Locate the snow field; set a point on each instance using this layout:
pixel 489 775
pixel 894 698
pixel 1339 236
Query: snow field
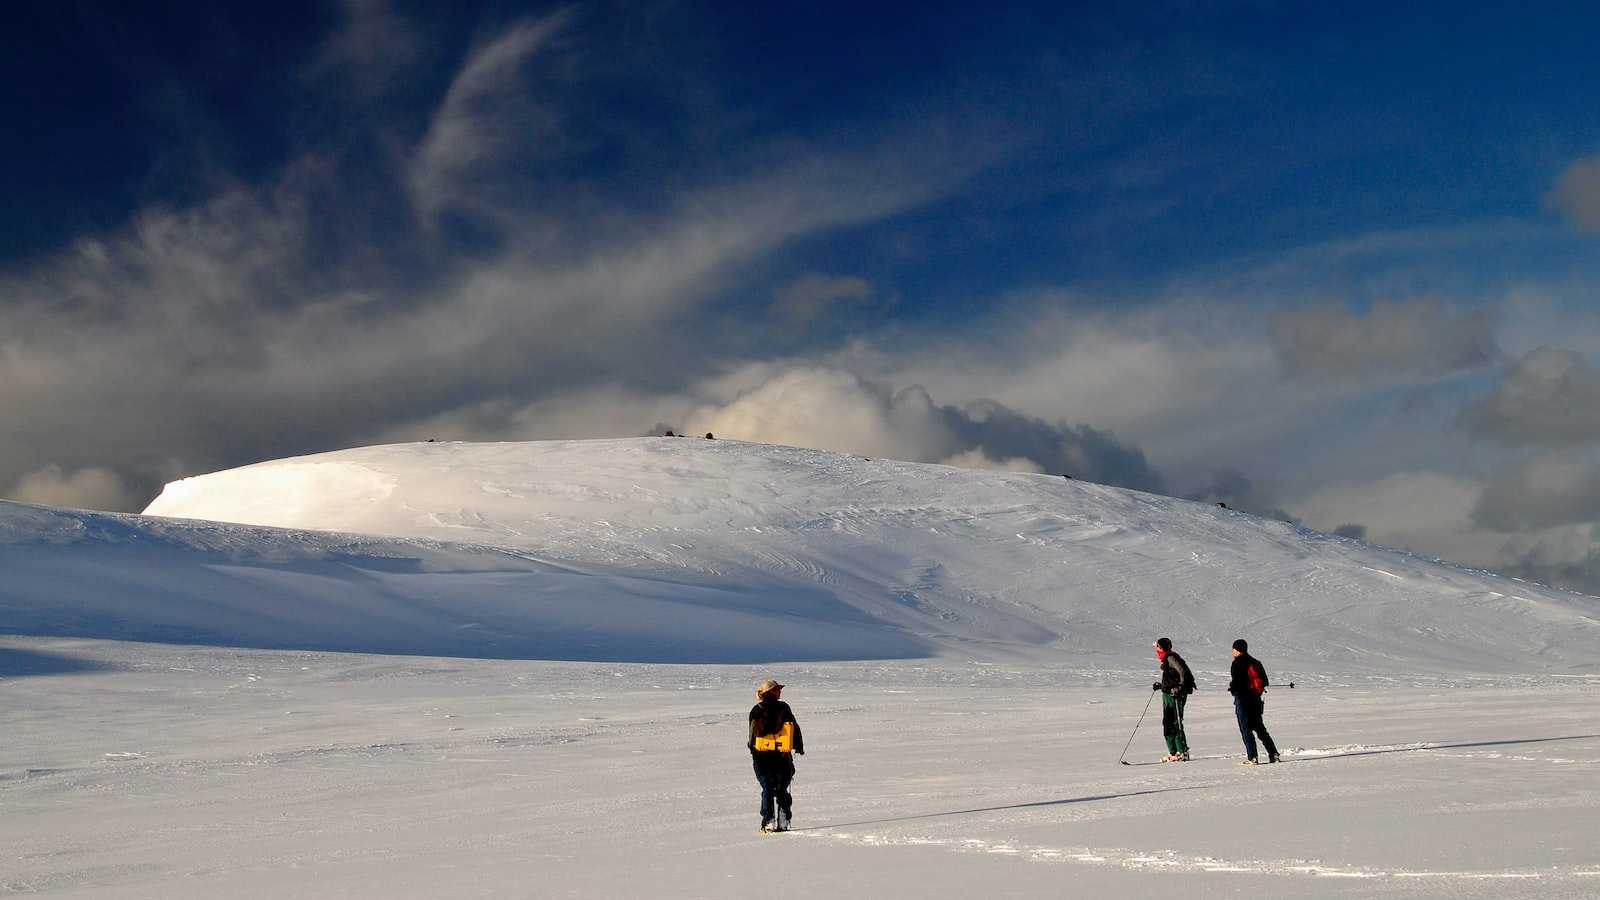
pixel 523 670
pixel 156 770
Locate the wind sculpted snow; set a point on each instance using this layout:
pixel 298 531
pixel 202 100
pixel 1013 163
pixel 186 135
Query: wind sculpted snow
pixel 141 578
pixel 687 549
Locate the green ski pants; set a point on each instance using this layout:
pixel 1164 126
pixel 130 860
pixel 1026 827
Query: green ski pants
pixel 1172 723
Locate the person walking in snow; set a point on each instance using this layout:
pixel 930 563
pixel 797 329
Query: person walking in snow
pixel 774 739
pixel 1247 682
pixel 1176 684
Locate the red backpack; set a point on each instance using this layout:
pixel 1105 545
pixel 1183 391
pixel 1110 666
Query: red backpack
pixel 1258 678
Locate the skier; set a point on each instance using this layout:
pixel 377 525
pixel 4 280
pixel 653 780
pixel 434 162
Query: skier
pixel 1247 683
pixel 774 739
pixel 1176 684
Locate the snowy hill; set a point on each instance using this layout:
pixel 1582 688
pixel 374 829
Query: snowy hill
pixel 687 549
pixel 1441 742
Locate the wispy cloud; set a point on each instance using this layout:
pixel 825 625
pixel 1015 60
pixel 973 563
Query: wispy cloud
pixel 812 295
pixel 489 113
pixel 371 50
pixel 285 318
pixel 1424 511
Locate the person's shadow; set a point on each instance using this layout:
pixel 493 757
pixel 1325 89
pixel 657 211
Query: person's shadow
pixel 983 809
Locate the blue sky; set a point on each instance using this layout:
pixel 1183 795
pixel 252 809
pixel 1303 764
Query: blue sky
pixel 1131 143
pixel 1331 263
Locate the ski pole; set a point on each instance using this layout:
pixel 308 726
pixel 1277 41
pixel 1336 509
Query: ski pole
pixel 1124 757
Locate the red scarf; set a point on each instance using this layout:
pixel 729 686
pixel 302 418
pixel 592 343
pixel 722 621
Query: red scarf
pixel 1161 654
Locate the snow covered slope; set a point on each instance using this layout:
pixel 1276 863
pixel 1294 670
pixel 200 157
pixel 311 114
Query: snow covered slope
pixel 99 575
pixel 687 549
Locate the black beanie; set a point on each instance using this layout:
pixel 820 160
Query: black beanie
pixel 1241 646
pixel 1164 643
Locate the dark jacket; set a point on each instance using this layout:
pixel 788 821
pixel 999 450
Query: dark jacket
pixel 767 717
pixel 1239 680
pixel 1176 679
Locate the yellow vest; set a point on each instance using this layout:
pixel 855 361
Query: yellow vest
pixel 783 741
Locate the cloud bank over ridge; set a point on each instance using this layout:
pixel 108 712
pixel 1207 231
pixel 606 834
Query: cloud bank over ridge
pixel 834 409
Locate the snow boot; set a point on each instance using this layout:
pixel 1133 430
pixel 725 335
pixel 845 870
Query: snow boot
pixel 783 820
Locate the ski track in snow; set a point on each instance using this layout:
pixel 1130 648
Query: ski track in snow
pixel 1125 858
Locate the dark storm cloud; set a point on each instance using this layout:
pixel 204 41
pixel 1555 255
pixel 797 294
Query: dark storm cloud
pixel 1540 492
pixel 1542 564
pixel 1397 338
pixel 1232 487
pixel 1550 398
pixel 1059 448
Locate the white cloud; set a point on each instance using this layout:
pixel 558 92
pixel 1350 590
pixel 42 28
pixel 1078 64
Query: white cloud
pixel 1550 398
pixel 977 459
pixel 1576 194
pixel 1535 519
pixel 1541 492
pixel 831 409
pixel 92 488
pixel 599 410
pixel 1404 337
pixel 1166 376
pixel 1425 512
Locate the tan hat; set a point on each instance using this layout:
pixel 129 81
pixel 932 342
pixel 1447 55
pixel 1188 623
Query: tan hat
pixel 768 687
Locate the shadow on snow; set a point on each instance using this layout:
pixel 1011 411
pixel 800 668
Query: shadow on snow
pixel 449 603
pixel 983 809
pixel 1450 746
pixel 15 663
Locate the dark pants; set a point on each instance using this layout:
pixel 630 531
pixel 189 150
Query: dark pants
pixel 1172 723
pixel 1247 709
pixel 774 771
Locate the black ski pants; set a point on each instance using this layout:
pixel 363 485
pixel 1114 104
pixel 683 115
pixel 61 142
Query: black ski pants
pixel 1247 709
pixel 774 771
